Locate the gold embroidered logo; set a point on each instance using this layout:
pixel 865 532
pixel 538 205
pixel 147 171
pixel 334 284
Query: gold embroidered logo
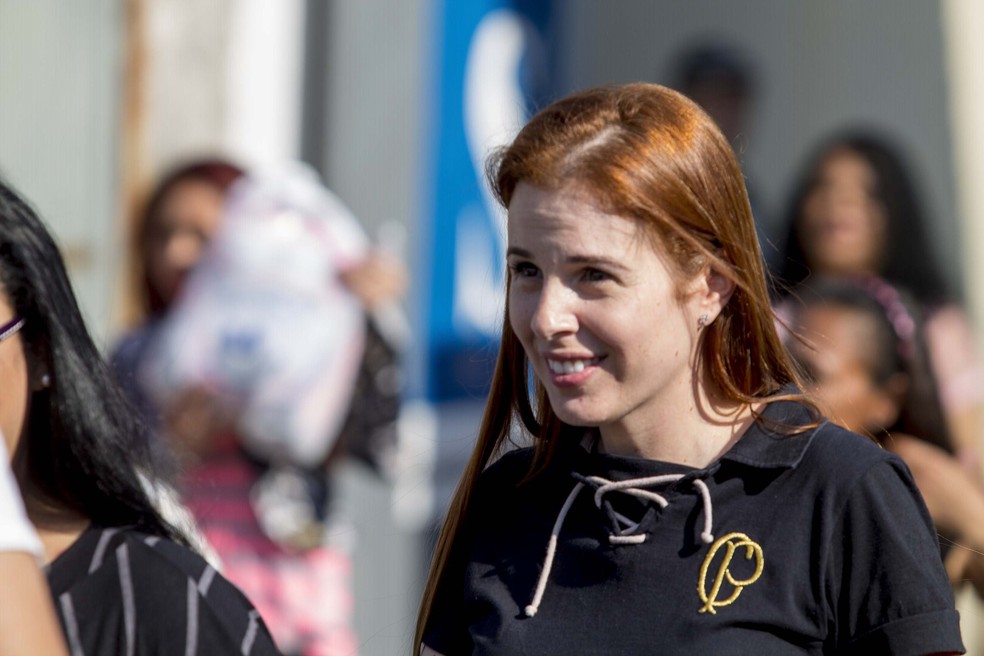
pixel 731 542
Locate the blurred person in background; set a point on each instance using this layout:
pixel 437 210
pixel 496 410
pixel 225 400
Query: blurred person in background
pixel 720 78
pixel 862 350
pixel 27 620
pixel 682 495
pixel 855 210
pixel 299 581
pixel 122 577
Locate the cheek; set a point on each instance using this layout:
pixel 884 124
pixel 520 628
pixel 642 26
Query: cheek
pixel 158 267
pixel 877 225
pixel 521 307
pixel 812 207
pixel 13 401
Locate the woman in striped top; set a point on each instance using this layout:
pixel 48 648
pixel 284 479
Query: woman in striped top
pixel 123 579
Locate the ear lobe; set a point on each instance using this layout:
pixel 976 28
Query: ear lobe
pixel 40 380
pixel 39 375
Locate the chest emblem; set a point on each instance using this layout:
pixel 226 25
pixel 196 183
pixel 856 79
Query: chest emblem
pixel 724 582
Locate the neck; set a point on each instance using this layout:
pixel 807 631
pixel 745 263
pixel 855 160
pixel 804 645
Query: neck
pixel 694 428
pixel 57 528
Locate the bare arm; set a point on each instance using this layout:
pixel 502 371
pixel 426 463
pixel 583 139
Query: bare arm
pixel 27 621
pixel 378 279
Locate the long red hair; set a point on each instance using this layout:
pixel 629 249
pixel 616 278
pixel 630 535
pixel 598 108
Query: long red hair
pixel 646 152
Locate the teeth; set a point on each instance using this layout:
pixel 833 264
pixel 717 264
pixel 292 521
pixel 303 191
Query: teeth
pixel 570 366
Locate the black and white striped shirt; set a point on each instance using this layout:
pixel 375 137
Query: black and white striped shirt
pixel 119 592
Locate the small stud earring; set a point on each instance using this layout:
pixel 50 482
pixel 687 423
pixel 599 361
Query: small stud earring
pixel 45 381
pixel 702 320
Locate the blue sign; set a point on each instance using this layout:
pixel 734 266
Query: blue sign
pixel 491 67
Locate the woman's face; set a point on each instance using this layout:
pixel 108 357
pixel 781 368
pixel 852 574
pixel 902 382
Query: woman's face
pixel 843 226
pixel 837 371
pixel 15 388
pixel 597 311
pixel 186 220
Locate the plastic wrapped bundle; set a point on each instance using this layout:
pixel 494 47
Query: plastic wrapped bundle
pixel 264 323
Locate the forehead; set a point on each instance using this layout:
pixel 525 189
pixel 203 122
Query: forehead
pixel 846 164
pixel 567 213
pixel 187 196
pixel 832 328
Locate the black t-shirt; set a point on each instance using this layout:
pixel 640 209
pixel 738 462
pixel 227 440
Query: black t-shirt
pixel 119 592
pixel 817 543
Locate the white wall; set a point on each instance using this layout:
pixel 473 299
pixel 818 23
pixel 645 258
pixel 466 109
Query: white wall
pixel 223 78
pixel 59 85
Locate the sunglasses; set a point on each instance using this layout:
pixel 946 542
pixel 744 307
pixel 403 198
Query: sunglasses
pixel 8 329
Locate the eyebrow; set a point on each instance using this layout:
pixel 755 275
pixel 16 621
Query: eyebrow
pixel 573 259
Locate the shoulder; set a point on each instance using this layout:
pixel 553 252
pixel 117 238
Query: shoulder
pixel 501 481
pixel 131 348
pixel 843 468
pixel 842 453
pixel 512 465
pixel 114 558
pixel 167 596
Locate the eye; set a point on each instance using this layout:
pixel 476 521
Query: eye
pixel 595 275
pixel 523 270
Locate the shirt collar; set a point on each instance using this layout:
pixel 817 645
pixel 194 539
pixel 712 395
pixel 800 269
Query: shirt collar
pixel 769 443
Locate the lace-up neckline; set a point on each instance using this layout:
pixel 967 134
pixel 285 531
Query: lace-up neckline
pixel 625 530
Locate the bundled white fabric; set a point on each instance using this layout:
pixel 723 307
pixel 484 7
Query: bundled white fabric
pixel 16 532
pixel 264 321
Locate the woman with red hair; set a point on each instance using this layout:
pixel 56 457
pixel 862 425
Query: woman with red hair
pixel 681 495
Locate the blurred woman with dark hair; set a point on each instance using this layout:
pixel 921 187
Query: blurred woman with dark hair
pixel 122 576
pixel 178 219
pixel 864 355
pixel 855 210
pixel 268 521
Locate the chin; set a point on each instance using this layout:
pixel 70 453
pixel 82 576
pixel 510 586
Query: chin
pixel 582 417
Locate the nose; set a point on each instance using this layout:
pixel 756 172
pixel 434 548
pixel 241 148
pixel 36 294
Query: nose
pixel 183 250
pixel 555 311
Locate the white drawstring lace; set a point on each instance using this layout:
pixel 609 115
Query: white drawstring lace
pixel 625 527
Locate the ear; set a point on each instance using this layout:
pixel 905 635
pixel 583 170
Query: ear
pixel 711 292
pixel 38 374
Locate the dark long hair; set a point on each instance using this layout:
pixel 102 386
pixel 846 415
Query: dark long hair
pixel 908 260
pixel 82 444
pixel 218 173
pixel 646 152
pixel 899 347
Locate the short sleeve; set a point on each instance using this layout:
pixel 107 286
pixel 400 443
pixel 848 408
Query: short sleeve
pixel 887 590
